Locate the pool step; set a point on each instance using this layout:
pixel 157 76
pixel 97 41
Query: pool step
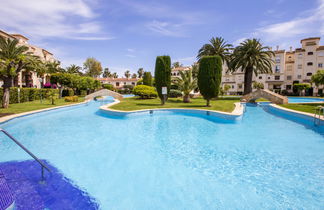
pixel 6 196
pixel 56 193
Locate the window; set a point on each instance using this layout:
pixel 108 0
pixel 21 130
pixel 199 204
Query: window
pixel 233 86
pixel 309 63
pixel 310 53
pixel 269 77
pixel 260 77
pixel 276 86
pixel 300 55
pixel 277 59
pixel 300 66
pixel 320 65
pixel 309 74
pixel 288 77
pixel 117 84
pixel 133 83
pixel 288 87
pixel 277 77
pixel 240 86
pixel 298 76
pixel 277 69
pixel 289 68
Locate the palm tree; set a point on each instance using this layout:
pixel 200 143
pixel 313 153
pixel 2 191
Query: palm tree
pixel 250 56
pixel 115 75
pixel 140 72
pixel 53 67
pixel 217 46
pixel 134 76
pixel 13 59
pixel 74 69
pixel 186 83
pixel 176 64
pixel 127 74
pixel 106 73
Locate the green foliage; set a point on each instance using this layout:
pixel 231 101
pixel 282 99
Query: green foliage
pixel 106 73
pixel 318 78
pixel 74 69
pixel 140 72
pixel 209 76
pixel 52 95
pixel 302 86
pixel 27 94
pixel 144 91
pixel 186 83
pixel 93 67
pixel 162 74
pixel 75 81
pixel 175 93
pixel 108 87
pixel 258 85
pixel 71 98
pixel 147 79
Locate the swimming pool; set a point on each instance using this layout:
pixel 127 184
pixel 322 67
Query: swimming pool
pixel 178 161
pixel 304 99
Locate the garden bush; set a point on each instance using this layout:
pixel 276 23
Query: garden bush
pixel 26 94
pixel 145 91
pixel 175 93
pixel 71 98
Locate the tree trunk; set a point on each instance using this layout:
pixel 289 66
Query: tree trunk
pixel 208 103
pixel 7 83
pixel 186 98
pixel 248 80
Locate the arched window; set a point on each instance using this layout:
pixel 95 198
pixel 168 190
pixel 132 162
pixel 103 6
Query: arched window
pixel 310 53
pixel 309 64
pixel 309 74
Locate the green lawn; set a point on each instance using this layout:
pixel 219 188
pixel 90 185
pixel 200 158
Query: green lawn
pixel 310 108
pixel 34 105
pixel 134 103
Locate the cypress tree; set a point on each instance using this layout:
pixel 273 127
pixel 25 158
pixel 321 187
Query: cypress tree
pixel 209 77
pixel 147 79
pixel 162 75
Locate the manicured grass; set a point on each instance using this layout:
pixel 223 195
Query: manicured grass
pixel 134 103
pixel 310 108
pixel 34 105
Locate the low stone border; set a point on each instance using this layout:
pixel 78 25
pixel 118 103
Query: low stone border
pixel 13 116
pixel 236 113
pixel 304 115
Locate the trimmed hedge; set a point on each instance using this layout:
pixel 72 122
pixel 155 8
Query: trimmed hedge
pixel 162 74
pixel 144 91
pixel 175 93
pixel 26 94
pixel 71 98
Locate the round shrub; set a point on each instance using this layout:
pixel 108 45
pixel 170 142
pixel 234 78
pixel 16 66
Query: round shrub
pixel 71 98
pixel 144 91
pixel 175 93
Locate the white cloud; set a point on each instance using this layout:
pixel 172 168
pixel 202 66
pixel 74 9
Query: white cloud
pixel 165 28
pixel 72 19
pixel 288 33
pixel 130 55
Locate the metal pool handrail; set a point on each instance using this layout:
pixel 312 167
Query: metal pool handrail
pixel 319 111
pixel 27 151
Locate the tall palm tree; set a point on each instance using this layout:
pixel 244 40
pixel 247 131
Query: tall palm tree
pixel 74 69
pixel 140 72
pixel 127 74
pixel 186 83
pixel 53 67
pixel 115 75
pixel 106 73
pixel 216 46
pixel 13 59
pixel 251 57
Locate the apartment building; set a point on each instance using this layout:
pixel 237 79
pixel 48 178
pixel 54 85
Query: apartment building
pixel 119 82
pixel 25 78
pixel 290 67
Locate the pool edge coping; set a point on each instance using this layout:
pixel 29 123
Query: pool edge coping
pixel 295 111
pixel 13 116
pixel 237 112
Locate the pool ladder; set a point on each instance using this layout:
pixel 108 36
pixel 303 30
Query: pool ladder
pixel 41 163
pixel 318 115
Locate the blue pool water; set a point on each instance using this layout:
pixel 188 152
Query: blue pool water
pixel 304 100
pixel 178 161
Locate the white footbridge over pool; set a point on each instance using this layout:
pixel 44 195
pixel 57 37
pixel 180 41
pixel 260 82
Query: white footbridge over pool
pixel 104 92
pixel 266 94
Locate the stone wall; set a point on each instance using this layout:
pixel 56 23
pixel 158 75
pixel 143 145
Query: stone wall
pixel 104 92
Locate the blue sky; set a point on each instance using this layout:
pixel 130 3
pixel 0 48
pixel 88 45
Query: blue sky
pixel 129 34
